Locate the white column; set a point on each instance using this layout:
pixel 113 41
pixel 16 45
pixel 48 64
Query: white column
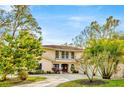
pixel 60 68
pixel 60 54
pixel 69 55
pixel 69 68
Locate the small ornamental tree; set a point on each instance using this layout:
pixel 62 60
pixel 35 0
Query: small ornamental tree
pixel 101 48
pixel 88 64
pixel 6 57
pixel 107 56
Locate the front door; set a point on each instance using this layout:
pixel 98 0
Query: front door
pixel 64 68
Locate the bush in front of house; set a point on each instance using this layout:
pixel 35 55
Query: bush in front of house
pixel 50 72
pixel 40 72
pixel 37 72
pixel 23 75
pixel 75 71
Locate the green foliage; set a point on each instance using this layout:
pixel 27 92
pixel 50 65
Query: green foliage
pixel 28 50
pixel 72 67
pixel 17 19
pixel 97 31
pixel 20 40
pixel 102 48
pixel 106 55
pixel 37 72
pixel 23 75
pixel 6 58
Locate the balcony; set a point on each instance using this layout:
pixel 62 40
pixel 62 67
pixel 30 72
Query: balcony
pixel 65 59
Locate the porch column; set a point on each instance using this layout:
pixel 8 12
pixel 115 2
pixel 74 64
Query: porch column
pixel 69 68
pixel 60 68
pixel 69 56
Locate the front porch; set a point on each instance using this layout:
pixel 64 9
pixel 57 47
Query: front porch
pixel 62 68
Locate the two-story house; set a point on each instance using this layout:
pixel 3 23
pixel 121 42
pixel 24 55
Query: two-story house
pixel 60 57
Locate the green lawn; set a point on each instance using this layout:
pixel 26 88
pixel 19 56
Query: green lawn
pixel 16 81
pixel 95 83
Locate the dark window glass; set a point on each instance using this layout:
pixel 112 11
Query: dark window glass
pixel 63 54
pixel 72 55
pixel 57 54
pixel 56 66
pixel 67 54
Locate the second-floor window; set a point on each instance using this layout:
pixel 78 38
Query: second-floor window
pixel 67 55
pixel 63 54
pixel 57 54
pixel 72 55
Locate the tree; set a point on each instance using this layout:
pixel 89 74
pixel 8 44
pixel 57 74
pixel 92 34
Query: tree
pixel 15 47
pixel 107 56
pixel 28 51
pixel 88 65
pixel 97 31
pixel 19 18
pixel 90 39
pixel 6 62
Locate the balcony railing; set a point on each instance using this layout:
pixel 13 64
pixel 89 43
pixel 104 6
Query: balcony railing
pixel 64 58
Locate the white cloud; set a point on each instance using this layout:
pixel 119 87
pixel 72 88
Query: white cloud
pixel 81 18
pixel 75 18
pixel 79 21
pixel 5 7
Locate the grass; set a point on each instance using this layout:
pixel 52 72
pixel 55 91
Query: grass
pixel 95 83
pixel 16 81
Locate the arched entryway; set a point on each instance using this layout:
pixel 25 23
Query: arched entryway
pixel 64 68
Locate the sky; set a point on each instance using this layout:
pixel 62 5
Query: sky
pixel 62 23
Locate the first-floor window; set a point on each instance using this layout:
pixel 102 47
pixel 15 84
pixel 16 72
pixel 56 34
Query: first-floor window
pixel 56 65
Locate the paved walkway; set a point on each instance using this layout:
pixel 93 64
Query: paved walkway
pixel 54 80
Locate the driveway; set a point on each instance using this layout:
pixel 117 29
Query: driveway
pixel 54 80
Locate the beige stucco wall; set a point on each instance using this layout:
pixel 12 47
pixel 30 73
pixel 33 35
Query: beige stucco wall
pixel 48 59
pixel 78 54
pixel 46 65
pixel 120 72
pixel 49 53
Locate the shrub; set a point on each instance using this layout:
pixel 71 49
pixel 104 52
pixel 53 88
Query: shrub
pixel 37 72
pixel 72 68
pixel 23 75
pixel 75 71
pixel 48 72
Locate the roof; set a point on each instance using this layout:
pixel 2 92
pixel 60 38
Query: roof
pixel 63 47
